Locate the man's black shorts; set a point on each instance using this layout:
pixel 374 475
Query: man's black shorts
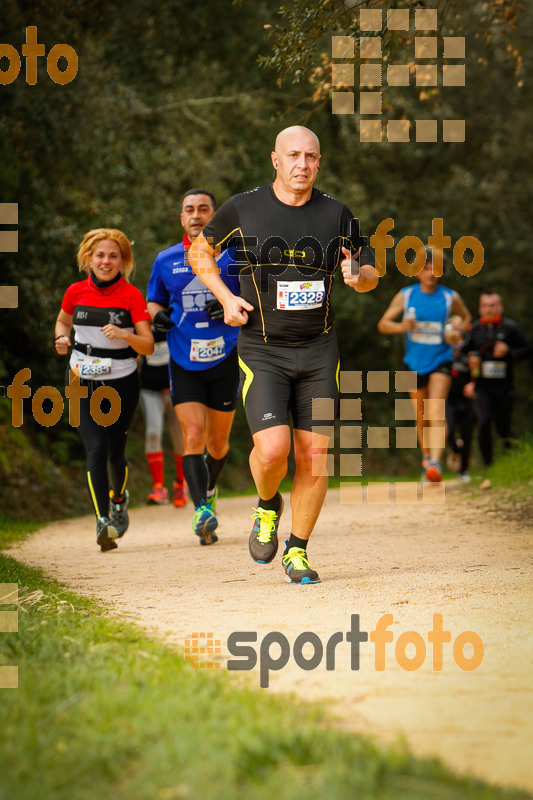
pixel 216 387
pixel 280 378
pixel 423 380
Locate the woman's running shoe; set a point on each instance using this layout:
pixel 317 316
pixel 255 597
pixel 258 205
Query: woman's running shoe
pixel 106 534
pixel 119 514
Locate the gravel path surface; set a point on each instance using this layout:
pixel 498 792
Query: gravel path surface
pixel 459 559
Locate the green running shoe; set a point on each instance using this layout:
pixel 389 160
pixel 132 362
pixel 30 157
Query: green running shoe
pixel 211 501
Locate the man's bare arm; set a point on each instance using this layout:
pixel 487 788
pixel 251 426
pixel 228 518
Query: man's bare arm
pixel 202 261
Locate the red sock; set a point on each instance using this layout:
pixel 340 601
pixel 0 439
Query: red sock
pixel 155 462
pixel 180 477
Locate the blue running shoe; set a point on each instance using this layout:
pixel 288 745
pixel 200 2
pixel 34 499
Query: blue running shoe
pixel 204 523
pixel 297 567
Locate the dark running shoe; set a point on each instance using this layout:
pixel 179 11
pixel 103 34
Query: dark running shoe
pixel 263 541
pixel 297 567
pixel 119 514
pixel 106 534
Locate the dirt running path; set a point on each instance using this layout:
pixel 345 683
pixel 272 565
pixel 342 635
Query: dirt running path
pixel 456 559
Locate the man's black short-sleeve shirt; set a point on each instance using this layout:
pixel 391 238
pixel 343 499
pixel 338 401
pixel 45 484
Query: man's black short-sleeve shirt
pixel 287 257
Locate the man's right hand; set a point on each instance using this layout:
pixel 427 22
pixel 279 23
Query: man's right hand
pixel 236 311
pixel 407 324
pixel 162 322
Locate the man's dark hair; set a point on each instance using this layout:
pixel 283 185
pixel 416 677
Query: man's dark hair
pixel 200 191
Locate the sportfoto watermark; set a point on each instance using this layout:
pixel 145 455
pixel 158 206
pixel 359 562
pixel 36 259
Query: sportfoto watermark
pixel 424 68
pixel 307 253
pixel 31 51
pixel 18 390
pixel 275 649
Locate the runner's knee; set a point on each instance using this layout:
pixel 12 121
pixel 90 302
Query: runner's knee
pixel 271 450
pixel 193 438
pixel 217 445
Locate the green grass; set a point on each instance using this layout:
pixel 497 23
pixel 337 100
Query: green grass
pixel 514 469
pixel 102 710
pixel 12 531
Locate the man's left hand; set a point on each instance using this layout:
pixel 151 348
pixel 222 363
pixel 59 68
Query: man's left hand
pixel 361 279
pixel 350 268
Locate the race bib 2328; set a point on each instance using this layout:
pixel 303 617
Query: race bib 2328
pixel 299 295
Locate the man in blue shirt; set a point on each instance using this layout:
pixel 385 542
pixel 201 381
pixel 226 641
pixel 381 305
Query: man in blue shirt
pixel 204 371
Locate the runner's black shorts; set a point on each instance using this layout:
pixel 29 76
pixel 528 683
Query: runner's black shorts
pixel 278 378
pixel 423 380
pixel 216 387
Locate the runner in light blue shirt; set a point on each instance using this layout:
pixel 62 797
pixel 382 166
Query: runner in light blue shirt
pixel 426 308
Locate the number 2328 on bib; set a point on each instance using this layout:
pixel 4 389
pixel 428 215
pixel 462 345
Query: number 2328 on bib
pixel 299 295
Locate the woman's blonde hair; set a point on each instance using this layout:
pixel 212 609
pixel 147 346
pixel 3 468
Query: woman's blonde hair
pixel 90 242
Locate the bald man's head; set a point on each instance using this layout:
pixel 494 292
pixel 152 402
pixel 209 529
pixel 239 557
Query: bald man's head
pixel 296 159
pixel 295 132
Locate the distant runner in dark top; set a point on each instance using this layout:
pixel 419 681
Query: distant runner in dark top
pixel 493 344
pixel 290 239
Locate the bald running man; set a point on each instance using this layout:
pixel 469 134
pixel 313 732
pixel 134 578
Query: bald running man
pixel 290 240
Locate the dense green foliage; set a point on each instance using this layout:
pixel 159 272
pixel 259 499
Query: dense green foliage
pixel 170 95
